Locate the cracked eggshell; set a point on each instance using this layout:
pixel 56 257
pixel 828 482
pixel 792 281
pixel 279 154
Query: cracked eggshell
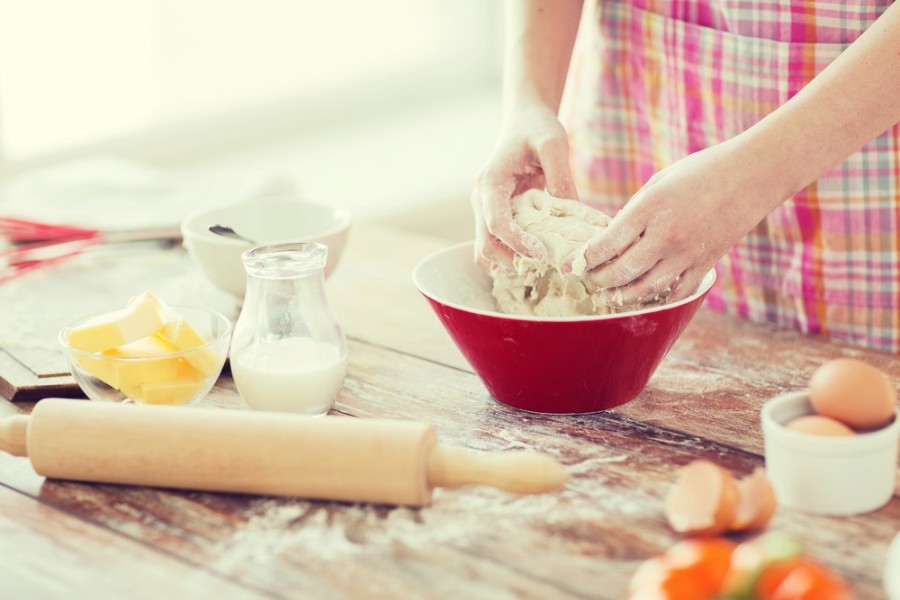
pixel 703 501
pixel 756 502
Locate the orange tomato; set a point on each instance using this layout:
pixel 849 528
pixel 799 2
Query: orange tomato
pixel 650 573
pixel 772 576
pixel 707 560
pixel 753 557
pixel 692 569
pixel 669 585
pixel 801 579
pixel 767 567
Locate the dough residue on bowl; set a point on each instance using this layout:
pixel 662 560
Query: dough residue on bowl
pixel 540 287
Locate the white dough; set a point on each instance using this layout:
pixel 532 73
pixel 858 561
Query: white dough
pixel 539 287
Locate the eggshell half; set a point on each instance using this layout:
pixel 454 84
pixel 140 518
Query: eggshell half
pixel 703 500
pixel 756 502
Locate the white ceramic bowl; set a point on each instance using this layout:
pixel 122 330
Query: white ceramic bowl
pixel 265 222
pixel 892 570
pixel 830 475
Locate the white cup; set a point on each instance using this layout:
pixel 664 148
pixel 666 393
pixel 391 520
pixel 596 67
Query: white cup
pixel 892 570
pixel 829 475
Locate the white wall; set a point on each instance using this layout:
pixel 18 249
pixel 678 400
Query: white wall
pixel 377 106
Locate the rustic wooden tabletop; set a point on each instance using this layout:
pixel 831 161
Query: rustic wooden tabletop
pixel 61 538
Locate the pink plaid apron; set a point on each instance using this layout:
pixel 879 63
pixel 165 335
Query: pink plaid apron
pixel 654 80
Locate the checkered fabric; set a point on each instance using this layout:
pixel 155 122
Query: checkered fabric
pixel 654 80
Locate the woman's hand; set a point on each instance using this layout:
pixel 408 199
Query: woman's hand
pixel 684 219
pixel 531 152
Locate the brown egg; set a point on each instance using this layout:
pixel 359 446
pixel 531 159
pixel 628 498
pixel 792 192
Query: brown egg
pixel 852 392
pixel 819 425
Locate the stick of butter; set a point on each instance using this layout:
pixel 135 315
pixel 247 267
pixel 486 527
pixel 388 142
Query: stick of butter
pixel 176 330
pixel 176 390
pixel 138 320
pixel 122 374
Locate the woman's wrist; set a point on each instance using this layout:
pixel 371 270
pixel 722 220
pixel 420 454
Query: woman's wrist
pixel 524 110
pixel 773 161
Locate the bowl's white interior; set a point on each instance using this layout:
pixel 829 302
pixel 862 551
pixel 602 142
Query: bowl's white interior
pixel 266 222
pixel 451 276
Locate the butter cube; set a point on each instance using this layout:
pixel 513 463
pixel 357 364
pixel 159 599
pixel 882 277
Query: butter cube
pixel 180 334
pixel 122 374
pixel 140 319
pixel 177 390
pixel 100 368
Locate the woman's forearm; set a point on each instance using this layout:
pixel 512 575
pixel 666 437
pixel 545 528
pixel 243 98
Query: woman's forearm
pixel 540 35
pixel 848 104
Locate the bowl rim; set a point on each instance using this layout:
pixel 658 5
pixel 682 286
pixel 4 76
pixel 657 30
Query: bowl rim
pixel 226 333
pixel 862 440
pixel 342 219
pixel 705 285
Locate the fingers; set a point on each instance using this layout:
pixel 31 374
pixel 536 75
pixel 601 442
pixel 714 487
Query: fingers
pixel 664 280
pixel 553 155
pixel 611 242
pixel 645 271
pixel 534 155
pixel 619 241
pixel 491 203
pixel 495 252
pixel 482 237
pixel 500 224
pixel 496 242
pixel 687 284
pixel 651 285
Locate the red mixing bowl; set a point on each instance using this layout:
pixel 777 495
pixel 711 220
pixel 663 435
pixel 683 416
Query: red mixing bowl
pixel 559 365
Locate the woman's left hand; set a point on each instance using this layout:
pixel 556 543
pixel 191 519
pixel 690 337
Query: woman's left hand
pixel 684 219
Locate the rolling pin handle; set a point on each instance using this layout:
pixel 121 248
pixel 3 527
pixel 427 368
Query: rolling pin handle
pixel 525 472
pixel 14 435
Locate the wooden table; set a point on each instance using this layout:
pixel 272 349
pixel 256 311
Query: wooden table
pixel 102 541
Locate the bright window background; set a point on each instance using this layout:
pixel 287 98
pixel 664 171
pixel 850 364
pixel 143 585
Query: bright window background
pixel 79 74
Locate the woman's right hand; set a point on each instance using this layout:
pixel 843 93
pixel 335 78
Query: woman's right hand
pixel 532 151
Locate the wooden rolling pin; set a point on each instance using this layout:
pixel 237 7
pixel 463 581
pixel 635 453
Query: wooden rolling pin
pixel 336 458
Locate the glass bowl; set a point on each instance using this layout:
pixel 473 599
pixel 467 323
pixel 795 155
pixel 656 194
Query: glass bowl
pixel 151 371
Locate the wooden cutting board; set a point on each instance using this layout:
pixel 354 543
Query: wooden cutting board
pixel 37 305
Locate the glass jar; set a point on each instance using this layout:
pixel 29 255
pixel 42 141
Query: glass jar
pixel 288 352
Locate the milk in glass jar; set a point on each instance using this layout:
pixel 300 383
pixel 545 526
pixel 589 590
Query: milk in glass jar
pixel 288 352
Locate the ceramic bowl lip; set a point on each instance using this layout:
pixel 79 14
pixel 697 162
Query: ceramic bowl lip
pixel 862 438
pixel 705 285
pixel 226 333
pixel 194 225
